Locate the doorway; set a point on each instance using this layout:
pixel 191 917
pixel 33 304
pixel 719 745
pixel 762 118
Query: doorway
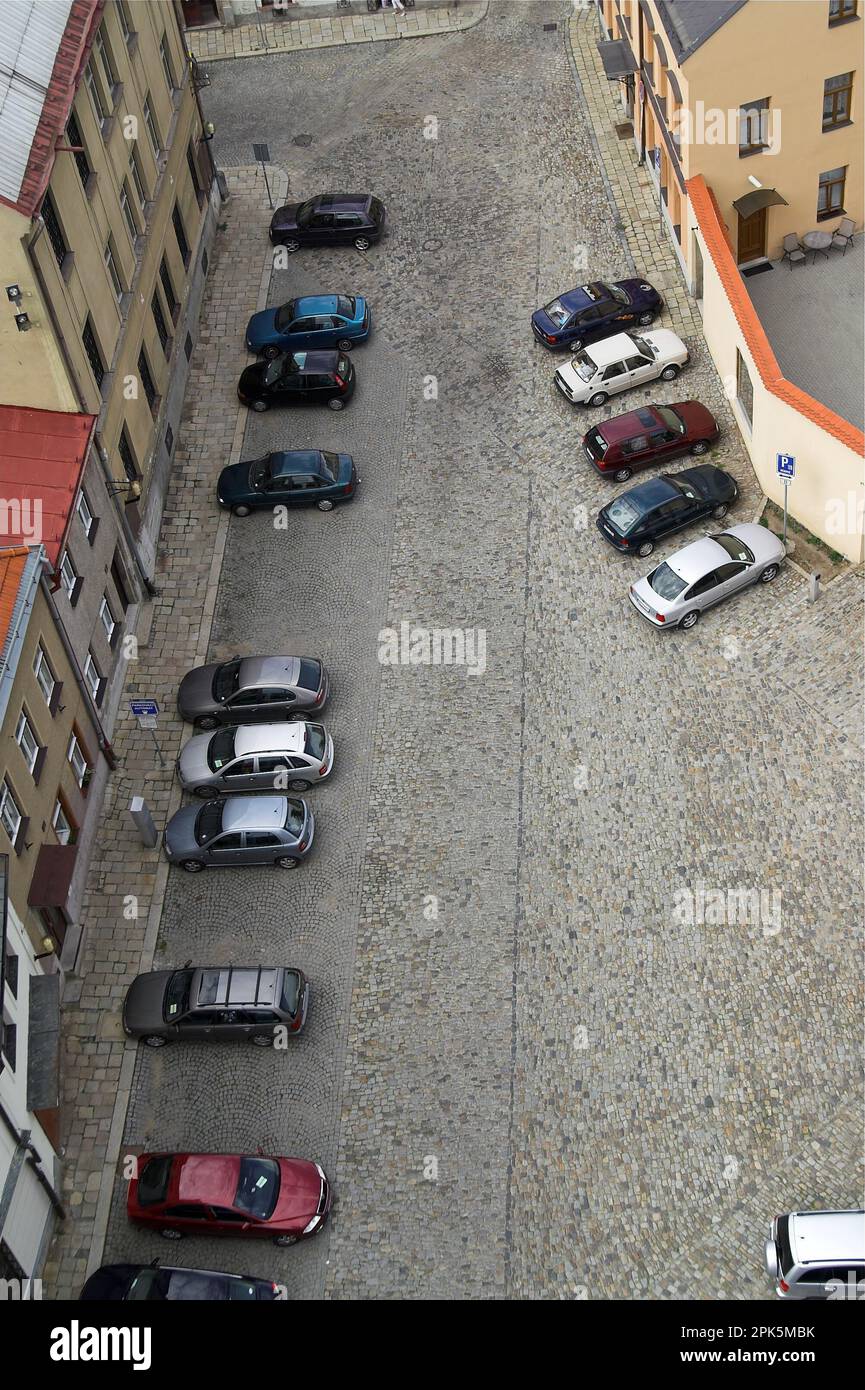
pixel 198 12
pixel 752 237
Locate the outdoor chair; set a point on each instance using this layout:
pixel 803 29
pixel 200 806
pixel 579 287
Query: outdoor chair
pixel 844 233
pixel 793 249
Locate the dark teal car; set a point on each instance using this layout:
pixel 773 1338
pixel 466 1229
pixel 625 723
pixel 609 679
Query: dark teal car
pixel 296 478
pixel 315 321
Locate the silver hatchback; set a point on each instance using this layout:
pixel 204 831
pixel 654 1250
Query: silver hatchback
pixel 705 573
pixel 818 1254
pixel 256 757
pixel 240 830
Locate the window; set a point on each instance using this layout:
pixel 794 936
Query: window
pixel 10 813
pixel 109 622
pixel 68 574
pixel 753 125
pixel 94 356
pixel 27 741
pixel 146 379
pixel 77 760
pixel 180 233
pixel 128 214
pixel 64 827
pixel 136 176
pixel 93 677
pixel 101 48
pixel 830 194
pixel 45 677
pixel 150 123
pixel 127 458
pixel 11 971
pixel 159 320
pixel 73 134
pixel 166 63
pixel 193 173
pixel 837 100
pixel 85 516
pixel 123 17
pixel 113 272
pixel 91 81
pixel 744 388
pixel 10 1041
pixel 168 287
pixel 839 10
pixel 54 230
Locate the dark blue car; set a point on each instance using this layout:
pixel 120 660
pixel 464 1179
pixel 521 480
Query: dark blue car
pixel 315 321
pixel 594 311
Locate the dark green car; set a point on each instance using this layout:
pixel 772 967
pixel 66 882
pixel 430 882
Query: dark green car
pixel 296 478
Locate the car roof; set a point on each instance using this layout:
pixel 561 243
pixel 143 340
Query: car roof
pixel 315 304
pixel 627 425
pixel 342 202
pixel 827 1235
pixel 254 812
pixel 608 350
pixel 210 1178
pixel 268 670
pixel 698 559
pixel 299 461
pixel 269 738
pixel 235 985
pixel 651 493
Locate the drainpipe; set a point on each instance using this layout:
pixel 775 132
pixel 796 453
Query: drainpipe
pixel 101 737
pixel 101 451
pixel 642 81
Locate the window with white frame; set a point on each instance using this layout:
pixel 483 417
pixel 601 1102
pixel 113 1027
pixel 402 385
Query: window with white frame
pixel 150 123
pixel 92 83
pixel 136 175
pixel 113 270
pixel 167 65
pixel 68 574
pixel 109 622
pixel 85 515
pixel 27 741
pixel 45 677
pixel 92 675
pixel 122 15
pixel 61 822
pixel 128 214
pixel 77 761
pixel 101 47
pixel 10 812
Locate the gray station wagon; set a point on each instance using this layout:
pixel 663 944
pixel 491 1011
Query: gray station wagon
pixel 256 757
pixel 252 690
pixel 218 1003
pixel 818 1255
pixel 240 830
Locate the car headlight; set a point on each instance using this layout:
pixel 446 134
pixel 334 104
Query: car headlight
pixel 311 1225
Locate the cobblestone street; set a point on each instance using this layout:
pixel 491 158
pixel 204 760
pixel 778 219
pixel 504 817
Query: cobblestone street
pixel 529 1072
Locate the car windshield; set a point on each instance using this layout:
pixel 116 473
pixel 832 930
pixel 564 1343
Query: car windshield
pixel 310 675
pixel 146 1285
pixel 294 816
pixel 643 346
pixel 623 514
pixel 329 465
pixel 345 306
pixel 315 742
pixel 176 1001
pixel 286 314
pixel 226 680
pixel 557 312
pixel 259 472
pixel 290 991
pixel 596 445
pixel 735 548
pixel 153 1180
pixel 666 582
pixel 274 370
pixel 221 749
pixel 671 418
pixel 618 294
pixel 684 489
pixel 209 822
pixel 376 209
pixel 257 1187
pixel 305 211
pixel 584 367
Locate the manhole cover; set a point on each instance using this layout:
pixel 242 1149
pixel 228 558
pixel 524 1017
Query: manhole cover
pixel 432 244
pixel 303 139
pixel 550 28
pixel 625 130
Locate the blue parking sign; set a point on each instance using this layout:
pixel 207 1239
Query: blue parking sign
pixel 786 465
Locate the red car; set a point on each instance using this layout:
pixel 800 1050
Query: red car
pixel 652 434
pixel 287 1199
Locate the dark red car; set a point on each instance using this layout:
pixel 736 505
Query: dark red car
pixel 652 434
pixel 287 1199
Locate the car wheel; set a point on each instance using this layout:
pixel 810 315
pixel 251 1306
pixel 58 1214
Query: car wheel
pixel 768 574
pixel 299 785
pixel 241 510
pixel 261 1039
pixel 260 406
pixel 623 475
pixel 599 398
pixel 345 344
pixel 645 549
pixel 271 352
pixel 206 722
pixel 154 1040
pixel 690 619
pixel 336 403
pixel 720 511
pixel 670 373
pixel 285 1240
pixel 576 344
pixel 192 866
pixel 287 863
pixel 701 446
pixel 646 318
pixel 170 1234
pixel 291 245
pixel 362 243
pixel 325 505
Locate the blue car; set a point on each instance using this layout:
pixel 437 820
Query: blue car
pixel 316 321
pixel 593 311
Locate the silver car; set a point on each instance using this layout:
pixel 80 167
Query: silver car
pixel 240 830
pixel 256 757
pixel 253 690
pixel 705 573
pixel 818 1254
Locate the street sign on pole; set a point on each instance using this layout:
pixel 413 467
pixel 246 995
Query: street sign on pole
pixel 145 712
pixel 786 465
pixel 261 155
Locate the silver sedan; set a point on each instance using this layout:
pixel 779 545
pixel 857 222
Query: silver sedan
pixel 256 758
pixel 705 573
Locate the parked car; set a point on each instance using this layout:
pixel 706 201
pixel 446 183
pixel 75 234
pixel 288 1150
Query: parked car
pixel 181 1194
pixel 314 321
pixel 621 446
pixel 219 1003
pixel 642 515
pixel 298 378
pixel 253 689
pixel 240 830
pixel 256 757
pixel 616 364
pixel 705 573
pixel 817 1254
pixel 331 219
pixel 595 311
pixel 163 1284
pixel 296 478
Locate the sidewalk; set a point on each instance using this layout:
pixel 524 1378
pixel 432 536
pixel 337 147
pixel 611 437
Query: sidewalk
pixel 357 25
pixel 126 883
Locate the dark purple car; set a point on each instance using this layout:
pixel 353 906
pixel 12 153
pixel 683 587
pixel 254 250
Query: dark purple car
pixel 595 310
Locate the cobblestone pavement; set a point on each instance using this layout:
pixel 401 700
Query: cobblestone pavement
pixel 548 1081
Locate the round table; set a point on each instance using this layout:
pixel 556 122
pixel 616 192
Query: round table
pixel 817 241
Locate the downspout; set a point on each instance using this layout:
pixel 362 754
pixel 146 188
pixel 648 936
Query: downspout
pixel 642 79
pixel 101 451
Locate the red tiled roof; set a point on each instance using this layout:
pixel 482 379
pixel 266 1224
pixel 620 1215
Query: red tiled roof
pixel 12 564
pixel 42 455
pixel 718 244
pixel 72 54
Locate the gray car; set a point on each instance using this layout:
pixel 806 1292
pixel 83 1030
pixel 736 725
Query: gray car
pixel 253 690
pixel 240 830
pixel 218 1003
pixel 705 573
pixel 256 757
pixel 818 1255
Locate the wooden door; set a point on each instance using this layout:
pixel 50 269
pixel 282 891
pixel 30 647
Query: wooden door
pixel 752 236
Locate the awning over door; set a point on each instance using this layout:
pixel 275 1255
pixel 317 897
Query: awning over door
pixel 616 58
pixel 760 198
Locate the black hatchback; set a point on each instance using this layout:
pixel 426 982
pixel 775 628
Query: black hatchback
pixel 638 518
pixel 331 219
pixel 298 378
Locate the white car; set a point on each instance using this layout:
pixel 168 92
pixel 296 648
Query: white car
pixel 705 573
pixel 615 364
